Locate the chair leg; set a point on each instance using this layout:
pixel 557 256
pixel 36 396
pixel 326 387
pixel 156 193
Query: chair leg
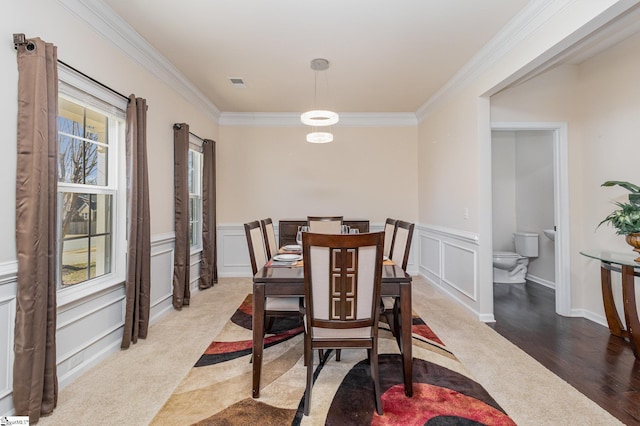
pixel 269 324
pixel 397 323
pixel 264 331
pixel 373 364
pixel 309 360
pixel 338 354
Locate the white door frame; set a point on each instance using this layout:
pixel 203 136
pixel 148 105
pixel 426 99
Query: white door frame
pixel 561 204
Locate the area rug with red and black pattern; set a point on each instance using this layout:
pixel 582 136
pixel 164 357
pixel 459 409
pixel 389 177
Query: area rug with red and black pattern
pixel 217 390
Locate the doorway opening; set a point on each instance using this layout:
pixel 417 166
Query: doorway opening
pixel 561 258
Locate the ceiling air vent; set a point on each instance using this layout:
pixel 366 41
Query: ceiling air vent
pixel 237 82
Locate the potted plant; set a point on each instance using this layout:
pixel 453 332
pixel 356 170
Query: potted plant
pixel 626 219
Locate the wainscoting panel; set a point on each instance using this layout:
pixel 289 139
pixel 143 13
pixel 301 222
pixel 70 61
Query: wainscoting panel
pixel 449 261
pixel 8 273
pixel 459 266
pixel 87 331
pixel 233 254
pixel 162 257
pixel 430 254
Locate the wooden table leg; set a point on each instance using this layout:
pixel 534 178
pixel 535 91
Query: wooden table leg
pixel 258 335
pixel 406 317
pixel 613 319
pixel 630 308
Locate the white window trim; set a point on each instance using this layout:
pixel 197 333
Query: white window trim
pixel 80 88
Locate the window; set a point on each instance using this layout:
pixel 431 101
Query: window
pixel 195 196
pixel 91 188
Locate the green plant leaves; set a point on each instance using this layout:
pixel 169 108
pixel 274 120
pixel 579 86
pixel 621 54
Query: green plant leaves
pixel 625 220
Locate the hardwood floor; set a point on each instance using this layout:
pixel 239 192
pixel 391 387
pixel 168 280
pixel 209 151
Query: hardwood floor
pixel 581 352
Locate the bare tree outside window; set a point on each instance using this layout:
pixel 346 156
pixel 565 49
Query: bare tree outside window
pixel 85 207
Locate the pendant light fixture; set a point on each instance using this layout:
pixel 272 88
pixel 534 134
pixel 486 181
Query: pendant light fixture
pixel 319 118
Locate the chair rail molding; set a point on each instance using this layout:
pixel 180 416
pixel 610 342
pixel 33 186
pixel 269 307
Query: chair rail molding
pixel 8 272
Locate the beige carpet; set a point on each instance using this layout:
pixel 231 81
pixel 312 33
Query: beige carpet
pixel 109 394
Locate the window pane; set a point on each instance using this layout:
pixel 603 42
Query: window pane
pixel 96 126
pixel 190 173
pixel 100 214
pixel 75 261
pixel 100 256
pixel 81 161
pixel 70 118
pixel 95 164
pixel 86 235
pixel 193 212
pixel 74 209
pixel 70 160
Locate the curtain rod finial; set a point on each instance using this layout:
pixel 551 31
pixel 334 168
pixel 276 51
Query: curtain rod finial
pixel 19 39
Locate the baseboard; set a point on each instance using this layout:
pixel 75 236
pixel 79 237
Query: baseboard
pixel 591 316
pixel 541 281
pixel 487 318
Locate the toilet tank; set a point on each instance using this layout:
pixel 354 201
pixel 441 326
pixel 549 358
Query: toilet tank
pixel 526 243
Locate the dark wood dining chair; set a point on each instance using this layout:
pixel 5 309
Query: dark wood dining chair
pixel 275 306
pixel 324 224
pixel 389 233
pixel 269 234
pixel 402 243
pixel 400 249
pixel 342 284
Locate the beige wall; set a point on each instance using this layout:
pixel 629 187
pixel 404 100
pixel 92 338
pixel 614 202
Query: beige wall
pixel 503 189
pixel 454 136
pixel 600 100
pixel 80 47
pixel 448 167
pixel 534 197
pixel 368 173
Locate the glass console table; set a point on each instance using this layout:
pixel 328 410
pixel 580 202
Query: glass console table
pixel 629 268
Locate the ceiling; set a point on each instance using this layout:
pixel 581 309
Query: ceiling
pixel 386 56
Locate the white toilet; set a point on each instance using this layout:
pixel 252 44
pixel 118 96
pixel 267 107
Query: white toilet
pixel 510 267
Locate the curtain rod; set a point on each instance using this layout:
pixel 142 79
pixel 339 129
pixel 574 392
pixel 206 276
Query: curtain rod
pixel 20 39
pixel 94 80
pixel 179 126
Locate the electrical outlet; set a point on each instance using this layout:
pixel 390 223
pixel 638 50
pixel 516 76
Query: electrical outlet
pixel 465 213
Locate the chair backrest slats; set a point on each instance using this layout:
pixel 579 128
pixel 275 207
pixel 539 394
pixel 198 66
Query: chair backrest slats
pixel 255 243
pixel 343 275
pixel 269 237
pixel 389 234
pixel 402 243
pixel 324 224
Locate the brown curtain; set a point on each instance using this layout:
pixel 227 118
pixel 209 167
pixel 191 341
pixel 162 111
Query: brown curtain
pixel 181 291
pixel 35 382
pixel 138 283
pixel 208 264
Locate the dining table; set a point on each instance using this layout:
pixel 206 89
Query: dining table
pixel 289 281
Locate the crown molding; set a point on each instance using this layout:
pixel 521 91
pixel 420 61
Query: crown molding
pixel 292 119
pixel 112 27
pixel 525 23
pixel 107 23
